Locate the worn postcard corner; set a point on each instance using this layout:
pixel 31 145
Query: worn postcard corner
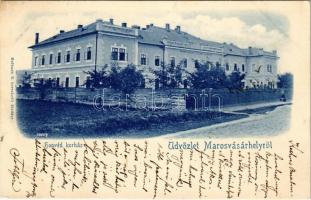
pixel 155 100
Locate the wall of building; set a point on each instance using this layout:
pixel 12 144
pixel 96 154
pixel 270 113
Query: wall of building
pixel 65 69
pixel 62 73
pixel 81 43
pixel 190 55
pixel 151 51
pixel 107 42
pixel 262 76
pixel 231 60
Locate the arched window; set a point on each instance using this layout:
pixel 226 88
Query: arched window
pixel 89 53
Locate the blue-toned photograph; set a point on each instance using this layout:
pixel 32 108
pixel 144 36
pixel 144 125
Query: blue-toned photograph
pixel 180 79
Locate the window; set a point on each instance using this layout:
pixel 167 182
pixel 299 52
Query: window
pixel 185 63
pixel 77 82
pixel 269 68
pixel 59 55
pixel 243 68
pixel 227 67
pixel 89 53
pixel 67 82
pixel 43 60
pixel 36 60
pixel 78 55
pixel 143 59
pixel 118 54
pixel 114 54
pixel 235 67
pixel 172 61
pixel 51 59
pixel 157 61
pixel 68 57
pixel 122 54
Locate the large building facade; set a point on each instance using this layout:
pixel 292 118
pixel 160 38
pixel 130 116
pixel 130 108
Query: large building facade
pixel 66 56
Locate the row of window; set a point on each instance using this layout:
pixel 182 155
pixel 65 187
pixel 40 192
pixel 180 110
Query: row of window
pixel 143 61
pixel 66 83
pixel 157 61
pixel 235 67
pixel 118 54
pixel 67 57
pixel 269 68
pixel 260 67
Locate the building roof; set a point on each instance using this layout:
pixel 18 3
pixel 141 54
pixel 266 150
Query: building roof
pixel 91 28
pixel 155 35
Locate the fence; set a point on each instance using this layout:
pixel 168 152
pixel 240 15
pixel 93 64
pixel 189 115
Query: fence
pixel 141 98
pixel 198 99
pixel 156 99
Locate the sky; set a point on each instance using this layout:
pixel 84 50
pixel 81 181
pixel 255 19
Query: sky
pixel 244 24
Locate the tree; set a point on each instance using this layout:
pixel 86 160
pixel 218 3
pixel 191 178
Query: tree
pixel 170 75
pixel 26 80
pixel 126 79
pixel 207 75
pixel 285 80
pixel 114 77
pixel 98 79
pixel 234 81
pixel 43 84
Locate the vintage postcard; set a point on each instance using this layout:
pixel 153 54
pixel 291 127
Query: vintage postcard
pixel 155 100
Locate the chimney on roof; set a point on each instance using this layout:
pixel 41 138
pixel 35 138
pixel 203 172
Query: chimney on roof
pixel 167 27
pixel 135 26
pixel 151 25
pixel 37 38
pixel 177 29
pixel 147 26
pixel 99 20
pixel 124 24
pixel 111 21
pixel 250 50
pixel 61 31
pixel 80 26
pixel 260 51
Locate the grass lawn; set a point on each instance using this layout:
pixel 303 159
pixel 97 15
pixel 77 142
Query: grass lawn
pixel 78 120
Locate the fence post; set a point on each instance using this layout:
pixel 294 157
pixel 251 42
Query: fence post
pixel 75 94
pixel 210 98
